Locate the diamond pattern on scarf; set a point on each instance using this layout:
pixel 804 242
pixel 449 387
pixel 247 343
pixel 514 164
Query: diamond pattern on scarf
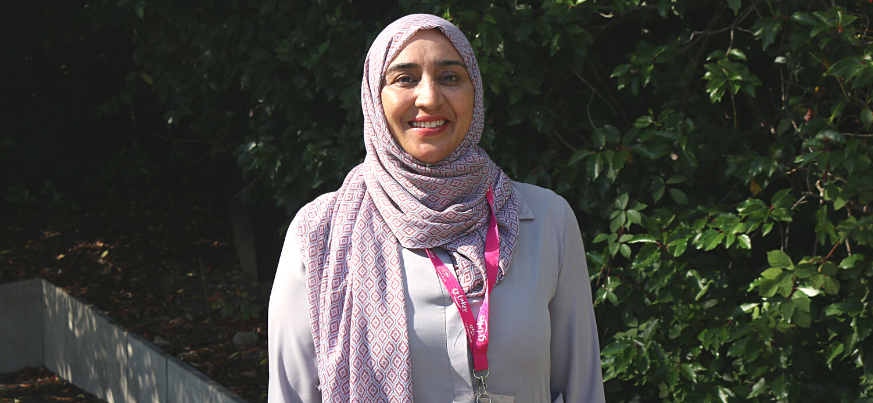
pixel 351 239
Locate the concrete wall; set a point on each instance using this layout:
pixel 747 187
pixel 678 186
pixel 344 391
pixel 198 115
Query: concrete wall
pixel 20 325
pixel 40 324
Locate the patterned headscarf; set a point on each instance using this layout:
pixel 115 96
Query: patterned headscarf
pixel 351 239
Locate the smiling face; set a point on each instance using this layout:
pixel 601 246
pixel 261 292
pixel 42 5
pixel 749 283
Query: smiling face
pixel 427 97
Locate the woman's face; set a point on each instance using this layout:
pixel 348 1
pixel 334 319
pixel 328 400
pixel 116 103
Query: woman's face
pixel 427 96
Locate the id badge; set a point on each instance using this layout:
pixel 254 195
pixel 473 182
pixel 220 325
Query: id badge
pixel 498 397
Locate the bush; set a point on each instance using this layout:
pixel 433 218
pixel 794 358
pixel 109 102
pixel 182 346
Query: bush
pixel 716 154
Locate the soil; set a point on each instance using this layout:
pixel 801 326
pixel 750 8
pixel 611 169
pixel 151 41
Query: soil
pixel 163 265
pixel 38 385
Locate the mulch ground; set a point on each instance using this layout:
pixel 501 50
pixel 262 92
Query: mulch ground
pixel 39 385
pixel 163 265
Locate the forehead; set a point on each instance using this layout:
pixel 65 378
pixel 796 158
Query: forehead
pixel 427 44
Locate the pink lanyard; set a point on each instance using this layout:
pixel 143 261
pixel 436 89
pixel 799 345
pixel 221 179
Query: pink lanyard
pixel 477 336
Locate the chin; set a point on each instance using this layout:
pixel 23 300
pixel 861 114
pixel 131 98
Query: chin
pixel 430 157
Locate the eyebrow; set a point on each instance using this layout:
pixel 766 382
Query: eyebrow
pixel 440 63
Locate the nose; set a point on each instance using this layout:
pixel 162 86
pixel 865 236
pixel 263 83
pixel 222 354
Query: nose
pixel 429 94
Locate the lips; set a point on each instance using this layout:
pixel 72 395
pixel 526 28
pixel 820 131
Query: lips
pixel 429 125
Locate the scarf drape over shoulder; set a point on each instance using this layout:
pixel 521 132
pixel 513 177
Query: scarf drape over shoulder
pixel 351 239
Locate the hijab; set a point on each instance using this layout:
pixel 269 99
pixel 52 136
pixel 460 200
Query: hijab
pixel 351 239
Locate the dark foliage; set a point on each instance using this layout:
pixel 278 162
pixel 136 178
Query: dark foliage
pixel 716 153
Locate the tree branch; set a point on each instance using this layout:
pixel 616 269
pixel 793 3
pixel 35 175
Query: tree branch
pixel 855 206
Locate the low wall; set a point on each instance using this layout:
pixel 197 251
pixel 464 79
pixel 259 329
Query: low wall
pixel 40 324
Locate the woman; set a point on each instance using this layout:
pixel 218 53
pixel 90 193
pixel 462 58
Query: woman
pixel 429 263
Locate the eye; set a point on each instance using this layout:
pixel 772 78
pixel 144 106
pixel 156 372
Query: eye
pixel 451 78
pixel 403 80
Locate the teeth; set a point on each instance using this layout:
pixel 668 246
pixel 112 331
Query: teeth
pixel 429 125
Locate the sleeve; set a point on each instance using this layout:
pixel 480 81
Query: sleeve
pixel 292 361
pixel 575 350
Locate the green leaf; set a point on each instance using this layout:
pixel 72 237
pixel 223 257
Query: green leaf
pixel 688 371
pixel 785 283
pixel 767 28
pixel 828 268
pixel 611 133
pixel 738 348
pixel 525 29
pixel 758 388
pixel 833 309
pixel 615 348
pixel 866 118
pixel 771 273
pixel 851 261
pixel 816 281
pixel 714 241
pixel 768 288
pixel 679 178
pixel 804 270
pixel 809 291
pixel 148 79
pixel 831 286
pixel 323 47
pixel 613 248
pixel 634 216
pixel 577 156
pixel 678 248
pixel 801 318
pixel 735 5
pixel 139 8
pixel 835 351
pixel 679 196
pixel 621 202
pixel 748 306
pixel 803 18
pixel 788 309
pixel 801 301
pixel 676 330
pixel 644 121
pixel 737 54
pixel 847 68
pixel 594 166
pixel 619 71
pixel 598 138
pixel 625 251
pixel 600 237
pixel 725 394
pixel 819 28
pixel 780 388
pixel 779 259
pixel 766 228
pixel 643 238
pixel 744 241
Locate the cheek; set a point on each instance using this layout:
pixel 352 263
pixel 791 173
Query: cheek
pixel 388 104
pixel 464 107
pixel 470 102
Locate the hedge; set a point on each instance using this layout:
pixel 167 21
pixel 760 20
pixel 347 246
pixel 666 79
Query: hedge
pixel 716 154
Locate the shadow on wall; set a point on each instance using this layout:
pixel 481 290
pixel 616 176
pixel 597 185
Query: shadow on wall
pixel 40 324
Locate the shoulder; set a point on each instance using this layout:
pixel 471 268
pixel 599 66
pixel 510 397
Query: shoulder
pixel 540 203
pixel 314 213
pixel 311 225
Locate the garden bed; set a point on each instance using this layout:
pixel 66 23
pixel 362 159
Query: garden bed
pixel 162 265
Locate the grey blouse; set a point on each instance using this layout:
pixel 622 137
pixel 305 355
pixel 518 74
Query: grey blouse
pixel 543 338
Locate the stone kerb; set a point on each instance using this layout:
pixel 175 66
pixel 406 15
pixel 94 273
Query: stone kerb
pixel 40 324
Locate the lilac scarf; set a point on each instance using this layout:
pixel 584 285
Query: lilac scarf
pixel 351 239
